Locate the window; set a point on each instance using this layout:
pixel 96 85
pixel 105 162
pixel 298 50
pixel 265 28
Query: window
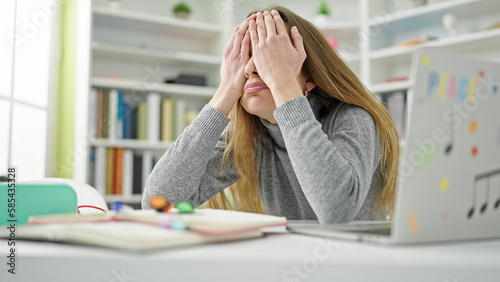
pixel 26 27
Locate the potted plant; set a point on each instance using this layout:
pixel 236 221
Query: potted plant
pixel 181 10
pixel 114 4
pixel 323 14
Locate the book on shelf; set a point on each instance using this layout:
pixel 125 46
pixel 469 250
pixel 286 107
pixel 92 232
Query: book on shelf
pixel 100 170
pixel 167 119
pixel 139 230
pixel 110 168
pixel 116 171
pixel 156 118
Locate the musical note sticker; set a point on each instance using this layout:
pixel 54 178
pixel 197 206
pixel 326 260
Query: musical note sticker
pixel 481 193
pixel 413 223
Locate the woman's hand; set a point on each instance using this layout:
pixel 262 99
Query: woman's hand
pixel 277 59
pixel 232 73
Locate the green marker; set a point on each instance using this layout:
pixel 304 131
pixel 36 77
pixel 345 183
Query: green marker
pixel 185 207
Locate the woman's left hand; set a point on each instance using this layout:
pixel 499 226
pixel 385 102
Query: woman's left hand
pixel 277 59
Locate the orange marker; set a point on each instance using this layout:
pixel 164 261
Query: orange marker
pixel 160 204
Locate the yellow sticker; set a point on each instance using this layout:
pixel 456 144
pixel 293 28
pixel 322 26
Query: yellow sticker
pixel 443 186
pixel 413 222
pixel 426 59
pixel 472 89
pixel 473 126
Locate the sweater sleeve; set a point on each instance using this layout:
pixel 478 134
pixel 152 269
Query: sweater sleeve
pixel 334 168
pixel 191 167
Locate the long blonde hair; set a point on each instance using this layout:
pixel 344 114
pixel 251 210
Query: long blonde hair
pixel 334 80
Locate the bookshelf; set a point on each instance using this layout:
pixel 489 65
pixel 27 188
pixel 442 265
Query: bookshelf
pixel 143 76
pixel 139 41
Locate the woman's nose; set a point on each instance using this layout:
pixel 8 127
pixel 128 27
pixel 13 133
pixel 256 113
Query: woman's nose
pixel 250 69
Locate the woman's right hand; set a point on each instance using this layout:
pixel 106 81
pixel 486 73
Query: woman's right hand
pixel 236 56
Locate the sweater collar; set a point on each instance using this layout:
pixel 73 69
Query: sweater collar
pixel 274 129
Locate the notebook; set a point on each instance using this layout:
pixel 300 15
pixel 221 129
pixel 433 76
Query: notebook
pixel 140 230
pixel 449 181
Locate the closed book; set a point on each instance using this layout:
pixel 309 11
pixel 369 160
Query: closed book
pixel 134 115
pixel 100 170
pixel 167 119
pixel 142 121
pixel 180 109
pixel 153 126
pixel 93 113
pixel 100 120
pixel 118 173
pixel 91 166
pixel 137 178
pixel 127 120
pixel 120 115
pixel 128 172
pixel 147 166
pixel 110 166
pixel 112 113
pixel 105 114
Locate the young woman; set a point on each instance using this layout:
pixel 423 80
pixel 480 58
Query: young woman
pixel 303 138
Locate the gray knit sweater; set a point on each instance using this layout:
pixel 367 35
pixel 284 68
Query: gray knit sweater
pixel 324 168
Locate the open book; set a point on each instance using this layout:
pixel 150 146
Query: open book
pixel 142 230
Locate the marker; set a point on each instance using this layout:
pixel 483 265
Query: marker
pixel 121 207
pixel 185 207
pixel 160 204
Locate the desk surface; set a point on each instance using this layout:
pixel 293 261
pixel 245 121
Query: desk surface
pixel 276 257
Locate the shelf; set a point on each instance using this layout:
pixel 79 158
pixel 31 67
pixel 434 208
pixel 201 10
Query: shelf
pixel 154 56
pixel 131 144
pixel 426 15
pixel 390 87
pixel 489 39
pixel 129 20
pixel 347 27
pixel 167 88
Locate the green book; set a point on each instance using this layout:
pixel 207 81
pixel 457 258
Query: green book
pixel 142 121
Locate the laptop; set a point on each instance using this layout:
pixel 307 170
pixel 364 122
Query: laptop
pixel 449 181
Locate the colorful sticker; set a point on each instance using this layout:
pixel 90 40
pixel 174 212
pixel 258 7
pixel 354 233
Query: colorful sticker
pixel 444 216
pixel 452 89
pixel 426 155
pixel 442 85
pixel 413 223
pixel 433 82
pixel 473 126
pixel 474 151
pixel 481 73
pixel 472 88
pixel 425 59
pixel 443 185
pixel 463 85
pixel 421 101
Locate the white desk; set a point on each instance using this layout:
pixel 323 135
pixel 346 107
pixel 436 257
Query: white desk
pixel 276 257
